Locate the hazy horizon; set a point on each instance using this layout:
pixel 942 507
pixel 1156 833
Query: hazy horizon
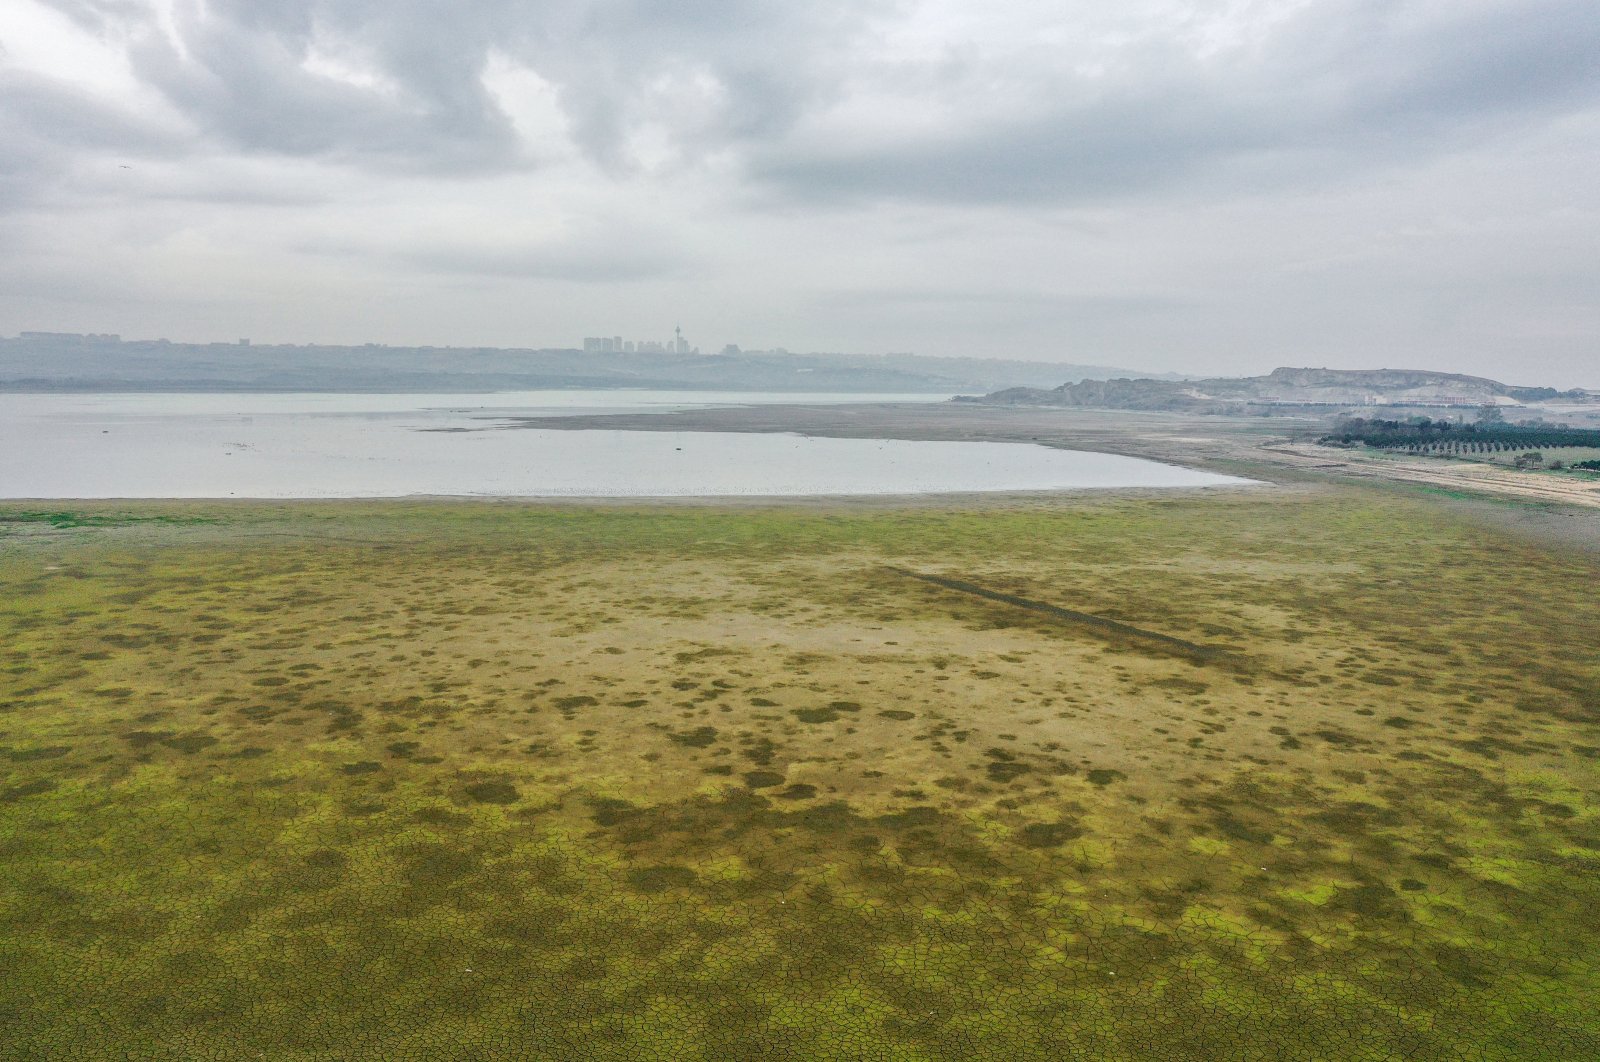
pixel 1211 189
pixel 250 343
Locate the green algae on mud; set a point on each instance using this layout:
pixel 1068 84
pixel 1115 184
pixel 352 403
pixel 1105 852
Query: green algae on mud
pixel 64 519
pixel 456 780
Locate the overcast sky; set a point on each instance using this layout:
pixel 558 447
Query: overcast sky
pixel 1211 186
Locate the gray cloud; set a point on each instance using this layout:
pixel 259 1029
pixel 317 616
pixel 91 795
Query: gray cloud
pixel 240 72
pixel 1342 87
pixel 1180 180
pixel 47 126
pixel 595 258
pixel 1342 84
pixel 699 74
pixel 755 66
pixel 581 265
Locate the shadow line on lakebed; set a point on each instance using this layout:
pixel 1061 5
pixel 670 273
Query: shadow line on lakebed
pixel 1153 639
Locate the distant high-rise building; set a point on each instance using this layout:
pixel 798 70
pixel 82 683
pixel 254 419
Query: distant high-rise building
pixel 617 345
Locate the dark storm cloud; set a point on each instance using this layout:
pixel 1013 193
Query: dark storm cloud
pixel 1340 87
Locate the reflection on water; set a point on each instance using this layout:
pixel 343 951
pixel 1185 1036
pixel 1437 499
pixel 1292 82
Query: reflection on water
pixel 341 446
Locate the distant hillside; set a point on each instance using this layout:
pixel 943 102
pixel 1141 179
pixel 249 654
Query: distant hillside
pixel 1285 387
pixel 64 362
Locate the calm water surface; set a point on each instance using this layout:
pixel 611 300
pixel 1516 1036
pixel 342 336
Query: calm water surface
pixel 361 445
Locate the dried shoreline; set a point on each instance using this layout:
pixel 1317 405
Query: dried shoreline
pixel 1218 443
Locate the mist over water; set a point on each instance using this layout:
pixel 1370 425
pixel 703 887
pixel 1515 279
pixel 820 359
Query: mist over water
pixel 352 446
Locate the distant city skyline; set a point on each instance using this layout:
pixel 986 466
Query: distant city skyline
pixel 589 344
pixel 599 345
pixel 1208 188
pixel 617 345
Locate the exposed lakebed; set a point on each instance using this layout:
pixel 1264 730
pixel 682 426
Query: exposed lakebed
pixel 359 445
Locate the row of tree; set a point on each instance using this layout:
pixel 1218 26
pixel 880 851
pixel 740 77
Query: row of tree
pixel 1449 437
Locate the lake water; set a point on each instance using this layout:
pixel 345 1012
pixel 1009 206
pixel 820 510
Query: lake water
pixel 360 445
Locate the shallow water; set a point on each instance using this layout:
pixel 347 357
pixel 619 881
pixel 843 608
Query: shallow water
pixel 348 446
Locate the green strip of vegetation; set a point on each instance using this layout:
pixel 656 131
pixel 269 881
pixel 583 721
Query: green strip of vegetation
pixel 64 519
pixel 1422 434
